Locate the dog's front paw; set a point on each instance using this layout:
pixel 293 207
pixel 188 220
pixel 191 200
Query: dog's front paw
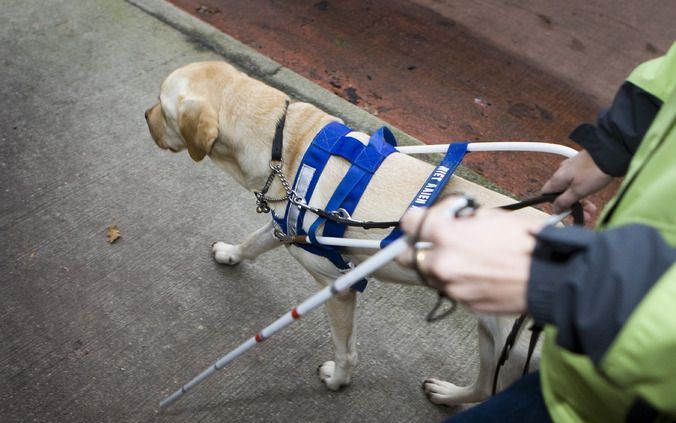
pixel 445 393
pixel 226 253
pixel 332 378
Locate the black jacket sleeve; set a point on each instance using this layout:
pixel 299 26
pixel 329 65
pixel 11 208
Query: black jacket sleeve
pixel 588 283
pixel 619 129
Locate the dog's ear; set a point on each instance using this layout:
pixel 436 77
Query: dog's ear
pixel 198 124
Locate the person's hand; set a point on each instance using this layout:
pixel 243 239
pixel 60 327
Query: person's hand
pixel 482 261
pixel 576 178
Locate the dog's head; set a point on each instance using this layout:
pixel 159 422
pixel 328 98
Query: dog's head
pixel 210 108
pixel 187 113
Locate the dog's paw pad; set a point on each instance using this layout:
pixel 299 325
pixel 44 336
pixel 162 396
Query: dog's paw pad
pixel 327 375
pixel 226 253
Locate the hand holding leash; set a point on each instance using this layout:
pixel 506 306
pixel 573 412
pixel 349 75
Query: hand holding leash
pixel 482 262
pixel 576 178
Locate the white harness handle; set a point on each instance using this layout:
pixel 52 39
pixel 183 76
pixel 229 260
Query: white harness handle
pixel 535 147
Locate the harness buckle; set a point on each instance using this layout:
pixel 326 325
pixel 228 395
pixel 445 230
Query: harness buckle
pixel 287 239
pixel 281 236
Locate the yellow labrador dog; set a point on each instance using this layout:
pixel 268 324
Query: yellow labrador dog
pixel 211 109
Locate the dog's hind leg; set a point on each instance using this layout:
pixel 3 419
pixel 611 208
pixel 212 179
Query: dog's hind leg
pixel 446 393
pixel 254 245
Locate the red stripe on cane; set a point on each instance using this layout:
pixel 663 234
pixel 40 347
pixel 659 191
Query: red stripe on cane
pixel 294 314
pixel 259 337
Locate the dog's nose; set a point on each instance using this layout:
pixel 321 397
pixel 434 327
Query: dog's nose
pixel 146 114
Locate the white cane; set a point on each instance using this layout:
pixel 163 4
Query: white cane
pixel 367 267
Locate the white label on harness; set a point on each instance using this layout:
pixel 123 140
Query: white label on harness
pixel 302 184
pixel 430 186
pixel 359 136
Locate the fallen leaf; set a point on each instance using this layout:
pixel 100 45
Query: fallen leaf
pixel 113 233
pixel 371 109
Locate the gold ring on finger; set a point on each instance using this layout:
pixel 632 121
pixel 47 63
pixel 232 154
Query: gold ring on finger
pixel 420 260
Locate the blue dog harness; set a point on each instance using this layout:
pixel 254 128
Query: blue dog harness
pixel 334 140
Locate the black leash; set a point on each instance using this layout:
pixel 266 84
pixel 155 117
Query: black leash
pixel 335 216
pixel 576 210
pixel 509 344
pixel 536 330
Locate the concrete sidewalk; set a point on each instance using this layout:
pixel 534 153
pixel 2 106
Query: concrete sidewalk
pixel 99 332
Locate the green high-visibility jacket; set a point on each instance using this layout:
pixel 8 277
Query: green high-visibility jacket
pixel 641 360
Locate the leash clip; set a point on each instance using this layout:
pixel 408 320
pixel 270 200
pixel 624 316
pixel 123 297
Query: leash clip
pixel 296 200
pixel 341 213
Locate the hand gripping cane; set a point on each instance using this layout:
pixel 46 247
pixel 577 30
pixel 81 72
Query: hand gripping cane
pixel 367 267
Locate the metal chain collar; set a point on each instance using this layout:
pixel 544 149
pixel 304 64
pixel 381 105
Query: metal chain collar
pixel 340 215
pixel 262 200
